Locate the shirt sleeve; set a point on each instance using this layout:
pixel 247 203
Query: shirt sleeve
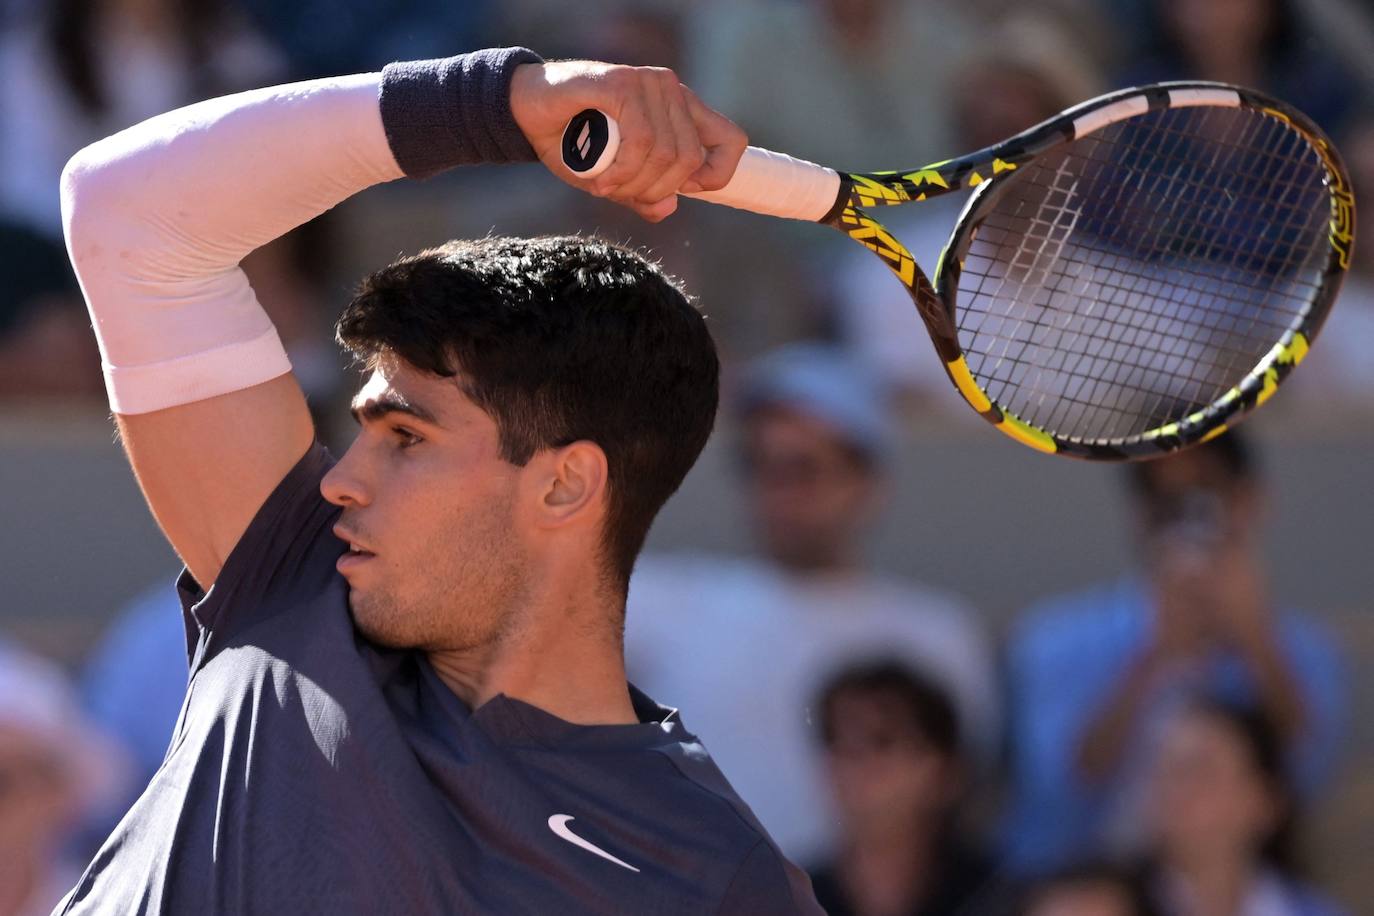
pixel 286 555
pixel 769 885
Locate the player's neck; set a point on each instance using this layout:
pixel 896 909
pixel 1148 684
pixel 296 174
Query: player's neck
pixel 563 654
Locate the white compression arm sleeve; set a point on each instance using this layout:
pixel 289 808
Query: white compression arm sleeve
pixel 159 216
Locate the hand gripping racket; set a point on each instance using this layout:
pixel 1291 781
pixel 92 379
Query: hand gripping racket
pixel 1126 279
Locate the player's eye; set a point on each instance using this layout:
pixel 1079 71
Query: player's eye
pixel 404 437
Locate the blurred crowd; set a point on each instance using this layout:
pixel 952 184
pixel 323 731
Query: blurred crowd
pixel 1147 745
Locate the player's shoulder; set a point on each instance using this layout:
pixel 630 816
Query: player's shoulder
pixel 287 550
pixel 767 883
pixel 761 880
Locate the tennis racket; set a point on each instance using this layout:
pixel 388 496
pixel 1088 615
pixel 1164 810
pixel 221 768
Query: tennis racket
pixel 1126 279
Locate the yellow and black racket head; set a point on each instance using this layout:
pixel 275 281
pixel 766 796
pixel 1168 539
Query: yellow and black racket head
pixel 1134 275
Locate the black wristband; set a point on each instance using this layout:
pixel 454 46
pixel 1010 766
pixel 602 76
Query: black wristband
pixel 454 111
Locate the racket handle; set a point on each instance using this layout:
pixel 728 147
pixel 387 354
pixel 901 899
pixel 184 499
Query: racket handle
pixel 764 181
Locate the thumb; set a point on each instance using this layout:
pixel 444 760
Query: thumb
pixel 723 141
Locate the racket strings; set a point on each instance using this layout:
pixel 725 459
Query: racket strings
pixel 1136 275
pixel 1204 327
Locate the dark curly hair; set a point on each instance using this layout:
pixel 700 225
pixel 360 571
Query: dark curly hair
pixel 558 339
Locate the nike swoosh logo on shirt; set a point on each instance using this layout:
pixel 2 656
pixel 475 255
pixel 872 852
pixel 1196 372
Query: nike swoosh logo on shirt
pixel 558 823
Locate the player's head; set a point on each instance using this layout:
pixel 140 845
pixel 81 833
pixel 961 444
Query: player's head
pixel 892 748
pixel 1204 494
pixel 564 386
pixel 816 434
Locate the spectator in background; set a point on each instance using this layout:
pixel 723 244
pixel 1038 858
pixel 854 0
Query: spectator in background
pixel 88 68
pixel 53 767
pixel 1089 889
pixel 1262 44
pixel 133 687
pixel 328 37
pixel 72 71
pixel 643 33
pixel 1026 70
pixel 745 643
pixel 895 763
pixel 1223 819
pixel 1094 675
pixel 46 348
pixel 854 84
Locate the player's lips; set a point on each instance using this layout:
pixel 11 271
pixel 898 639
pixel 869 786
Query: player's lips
pixel 356 555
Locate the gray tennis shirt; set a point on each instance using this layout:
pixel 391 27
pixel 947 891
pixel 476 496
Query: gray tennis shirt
pixel 313 772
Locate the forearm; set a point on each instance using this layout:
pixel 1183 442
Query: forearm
pixel 1104 741
pixel 1278 689
pixel 159 216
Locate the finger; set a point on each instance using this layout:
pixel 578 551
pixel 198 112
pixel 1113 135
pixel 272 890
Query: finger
pixel 663 151
pixel 690 154
pixel 636 140
pixel 723 141
pixel 651 133
pixel 651 210
pixel 658 210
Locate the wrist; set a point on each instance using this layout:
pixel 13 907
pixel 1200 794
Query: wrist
pixel 525 82
pixel 454 111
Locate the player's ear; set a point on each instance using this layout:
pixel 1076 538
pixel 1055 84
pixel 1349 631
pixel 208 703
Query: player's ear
pixel 574 483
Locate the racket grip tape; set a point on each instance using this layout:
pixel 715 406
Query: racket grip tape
pixel 764 182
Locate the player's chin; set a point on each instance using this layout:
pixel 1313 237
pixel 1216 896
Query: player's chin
pixel 382 632
pixel 374 617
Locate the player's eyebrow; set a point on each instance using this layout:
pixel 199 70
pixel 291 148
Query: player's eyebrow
pixel 376 408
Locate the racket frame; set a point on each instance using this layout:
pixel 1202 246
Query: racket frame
pixel 988 169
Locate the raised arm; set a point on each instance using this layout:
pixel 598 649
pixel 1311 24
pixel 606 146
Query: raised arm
pixel 159 216
pixel 157 219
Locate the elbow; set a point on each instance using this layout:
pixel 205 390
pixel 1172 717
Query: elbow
pixel 84 183
pixel 81 190
pixel 96 199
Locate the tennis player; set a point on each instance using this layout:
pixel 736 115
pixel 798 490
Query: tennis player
pixel 407 692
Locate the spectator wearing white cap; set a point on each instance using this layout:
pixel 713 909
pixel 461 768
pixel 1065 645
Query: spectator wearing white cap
pixel 744 644
pixel 54 769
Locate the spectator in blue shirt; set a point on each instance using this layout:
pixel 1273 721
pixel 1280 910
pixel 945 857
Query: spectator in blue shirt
pixel 1094 675
pixel 134 682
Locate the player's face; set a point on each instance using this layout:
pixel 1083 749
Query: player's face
pixel 432 504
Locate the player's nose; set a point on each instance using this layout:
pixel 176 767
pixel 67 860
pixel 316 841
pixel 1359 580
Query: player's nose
pixel 342 487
